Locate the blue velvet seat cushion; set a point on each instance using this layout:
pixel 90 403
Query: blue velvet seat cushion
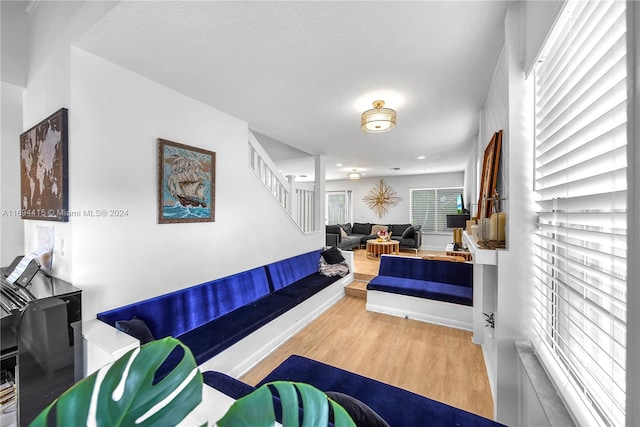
pixel 423 289
pixel 217 335
pixel 226 384
pixel 177 312
pixel 307 287
pixel 398 407
pixel 454 273
pixel 287 271
pixel 237 389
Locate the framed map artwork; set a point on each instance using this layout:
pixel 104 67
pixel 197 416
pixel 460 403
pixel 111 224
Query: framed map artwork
pixel 186 183
pixel 44 170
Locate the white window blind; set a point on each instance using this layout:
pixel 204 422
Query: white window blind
pixel 430 207
pixel 580 155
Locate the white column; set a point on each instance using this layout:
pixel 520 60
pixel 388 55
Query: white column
pixel 318 194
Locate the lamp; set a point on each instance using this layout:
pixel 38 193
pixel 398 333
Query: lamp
pixel 378 119
pixel 457 222
pixel 353 175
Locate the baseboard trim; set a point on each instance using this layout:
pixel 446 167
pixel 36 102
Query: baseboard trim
pixel 425 310
pixel 248 352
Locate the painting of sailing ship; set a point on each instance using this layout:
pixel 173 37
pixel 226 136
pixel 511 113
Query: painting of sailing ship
pixel 186 183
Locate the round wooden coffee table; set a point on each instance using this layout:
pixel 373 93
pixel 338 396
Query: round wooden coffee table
pixel 375 248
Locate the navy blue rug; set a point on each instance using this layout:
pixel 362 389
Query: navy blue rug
pixel 398 407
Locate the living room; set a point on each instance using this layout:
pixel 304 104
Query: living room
pixel 116 116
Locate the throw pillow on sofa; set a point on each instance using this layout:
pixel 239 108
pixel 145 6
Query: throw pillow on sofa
pixel 408 233
pixel 332 255
pixel 360 228
pixel 346 228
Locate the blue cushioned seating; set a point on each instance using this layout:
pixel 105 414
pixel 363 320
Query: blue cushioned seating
pixel 215 336
pixel 287 271
pixel 178 312
pixel 211 317
pixel 438 280
pixel 398 407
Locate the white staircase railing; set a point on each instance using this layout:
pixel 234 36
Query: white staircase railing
pixel 297 202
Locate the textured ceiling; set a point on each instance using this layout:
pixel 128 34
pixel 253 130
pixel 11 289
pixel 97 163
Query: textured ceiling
pixel 301 72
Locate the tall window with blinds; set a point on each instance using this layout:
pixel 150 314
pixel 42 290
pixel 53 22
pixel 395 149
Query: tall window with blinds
pixel 580 182
pixel 430 207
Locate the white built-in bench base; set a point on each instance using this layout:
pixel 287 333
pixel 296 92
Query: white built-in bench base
pixel 246 353
pixel 426 310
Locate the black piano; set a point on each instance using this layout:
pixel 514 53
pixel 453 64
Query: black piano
pixel 41 342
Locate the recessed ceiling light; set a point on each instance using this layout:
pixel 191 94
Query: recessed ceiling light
pixel 339 165
pixel 421 157
pixel 395 169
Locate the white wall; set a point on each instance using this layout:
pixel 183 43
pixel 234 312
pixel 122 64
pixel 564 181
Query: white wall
pixel 117 118
pixel 400 213
pixel 509 107
pixel 52 27
pixel 11 229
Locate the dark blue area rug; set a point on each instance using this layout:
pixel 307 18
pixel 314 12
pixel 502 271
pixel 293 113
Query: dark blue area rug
pixel 398 407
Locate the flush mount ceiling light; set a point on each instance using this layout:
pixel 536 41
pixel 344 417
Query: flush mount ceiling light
pixel 353 175
pixel 378 119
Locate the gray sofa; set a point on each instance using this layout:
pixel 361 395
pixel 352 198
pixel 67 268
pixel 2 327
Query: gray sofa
pixel 409 236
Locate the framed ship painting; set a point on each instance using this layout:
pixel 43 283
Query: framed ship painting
pixel 186 183
pixel 44 169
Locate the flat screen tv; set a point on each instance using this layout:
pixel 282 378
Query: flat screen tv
pixel 460 203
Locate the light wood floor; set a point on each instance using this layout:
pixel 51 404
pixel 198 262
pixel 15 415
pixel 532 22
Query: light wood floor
pixel 434 361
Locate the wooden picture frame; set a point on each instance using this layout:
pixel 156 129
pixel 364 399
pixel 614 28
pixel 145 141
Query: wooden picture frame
pixel 44 169
pixel 489 177
pixel 186 183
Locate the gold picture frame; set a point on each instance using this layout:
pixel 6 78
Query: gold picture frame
pixel 186 183
pixel 489 178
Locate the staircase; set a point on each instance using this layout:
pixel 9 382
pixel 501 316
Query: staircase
pixel 296 199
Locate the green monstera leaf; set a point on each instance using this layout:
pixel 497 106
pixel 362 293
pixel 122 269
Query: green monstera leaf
pixel 256 409
pixel 123 393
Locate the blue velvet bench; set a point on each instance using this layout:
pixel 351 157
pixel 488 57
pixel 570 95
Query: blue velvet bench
pixel 232 322
pixel 429 290
pixel 398 407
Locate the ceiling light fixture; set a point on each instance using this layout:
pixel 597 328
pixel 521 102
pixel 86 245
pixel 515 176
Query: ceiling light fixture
pixel 378 119
pixel 353 175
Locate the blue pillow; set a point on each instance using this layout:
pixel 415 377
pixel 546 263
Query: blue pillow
pixel 137 328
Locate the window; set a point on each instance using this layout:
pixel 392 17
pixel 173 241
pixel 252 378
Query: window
pixel 338 207
pixel 580 182
pixel 430 207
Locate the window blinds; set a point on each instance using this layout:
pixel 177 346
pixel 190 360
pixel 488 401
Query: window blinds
pixel 580 155
pixel 430 207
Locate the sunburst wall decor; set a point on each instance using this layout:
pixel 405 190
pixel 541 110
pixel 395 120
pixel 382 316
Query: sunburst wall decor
pixel 381 198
